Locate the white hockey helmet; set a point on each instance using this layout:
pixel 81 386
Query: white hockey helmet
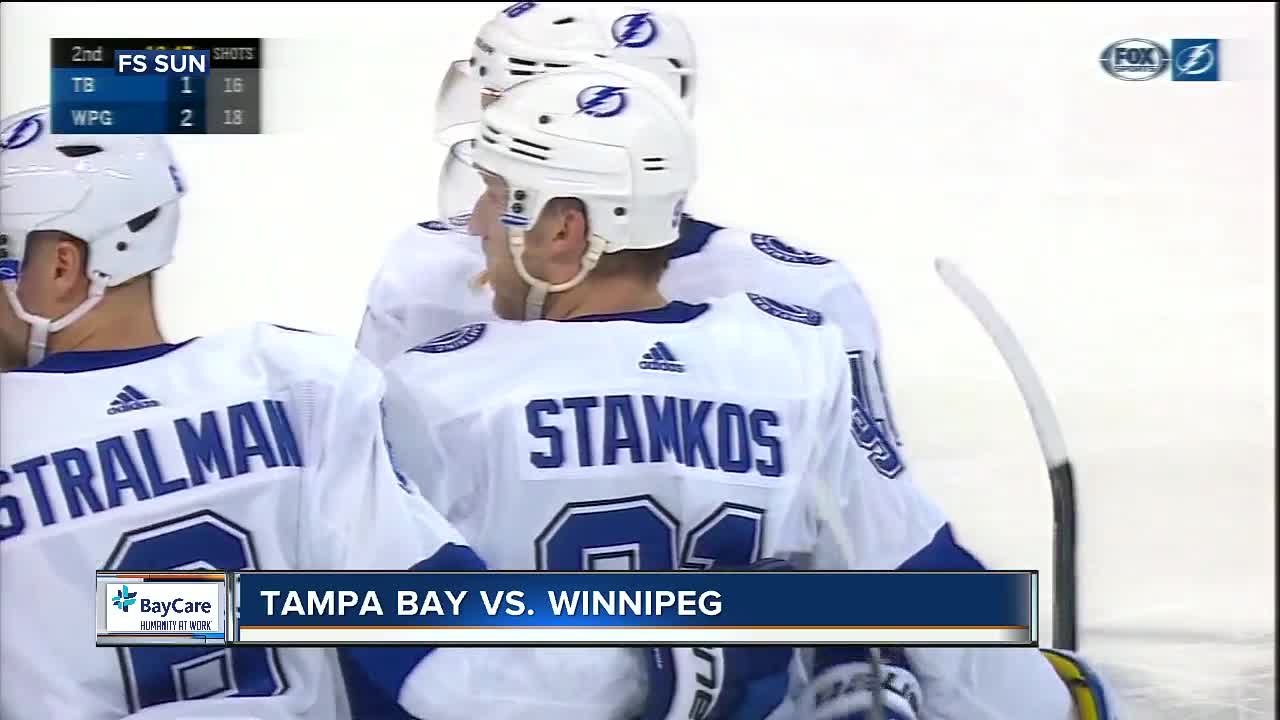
pixel 530 38
pixel 616 138
pixel 116 193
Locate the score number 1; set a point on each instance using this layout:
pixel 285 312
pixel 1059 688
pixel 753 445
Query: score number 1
pixel 186 112
pixel 186 81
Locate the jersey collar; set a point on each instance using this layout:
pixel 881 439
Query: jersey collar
pixel 672 312
pixel 84 361
pixel 694 235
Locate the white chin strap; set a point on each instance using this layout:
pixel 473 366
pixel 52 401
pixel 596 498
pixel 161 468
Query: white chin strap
pixel 539 289
pixel 41 327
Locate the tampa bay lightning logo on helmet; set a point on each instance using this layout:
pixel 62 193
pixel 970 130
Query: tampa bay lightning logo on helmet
pixel 453 340
pixel 177 179
pixel 602 101
pixel 9 268
pixel 515 10
pixel 21 133
pixel 794 313
pixel 778 250
pixel 635 30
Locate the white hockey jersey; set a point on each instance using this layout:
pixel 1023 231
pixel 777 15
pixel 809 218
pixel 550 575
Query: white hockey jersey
pixel 671 438
pixel 423 290
pixel 257 448
pixel 674 438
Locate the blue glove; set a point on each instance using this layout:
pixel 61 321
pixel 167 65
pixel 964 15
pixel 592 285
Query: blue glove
pixel 714 683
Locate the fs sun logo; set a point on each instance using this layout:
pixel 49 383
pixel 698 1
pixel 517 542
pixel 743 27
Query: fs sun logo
pixel 124 598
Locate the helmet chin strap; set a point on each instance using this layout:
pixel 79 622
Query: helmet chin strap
pixel 539 289
pixel 42 327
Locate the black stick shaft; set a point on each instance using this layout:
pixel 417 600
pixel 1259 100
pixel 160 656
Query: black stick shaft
pixel 1062 482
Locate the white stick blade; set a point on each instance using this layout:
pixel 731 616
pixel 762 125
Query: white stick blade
pixel 1048 431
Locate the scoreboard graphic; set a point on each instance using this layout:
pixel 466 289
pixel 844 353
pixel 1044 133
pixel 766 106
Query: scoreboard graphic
pixel 160 86
pixel 610 608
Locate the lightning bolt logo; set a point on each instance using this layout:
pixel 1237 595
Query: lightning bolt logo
pixel 22 133
pixel 602 101
pixel 635 30
pixel 1197 52
pixel 177 180
pixel 515 10
pixel 1195 60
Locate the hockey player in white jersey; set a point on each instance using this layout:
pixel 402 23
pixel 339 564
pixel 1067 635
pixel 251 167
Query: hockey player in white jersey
pixel 627 431
pixel 258 448
pixel 422 288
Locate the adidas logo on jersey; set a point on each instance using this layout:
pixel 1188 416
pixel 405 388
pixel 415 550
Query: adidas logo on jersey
pixel 130 398
pixel 659 357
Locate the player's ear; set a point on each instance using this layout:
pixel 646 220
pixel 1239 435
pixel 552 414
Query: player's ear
pixel 564 221
pixel 69 258
pixel 573 224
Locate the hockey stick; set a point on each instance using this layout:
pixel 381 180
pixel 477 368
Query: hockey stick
pixel 1052 446
pixel 829 512
pixel 828 508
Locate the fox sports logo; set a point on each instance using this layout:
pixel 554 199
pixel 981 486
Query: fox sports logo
pixel 1134 59
pixel 21 133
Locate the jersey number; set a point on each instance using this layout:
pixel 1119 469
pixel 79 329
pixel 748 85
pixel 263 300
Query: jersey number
pixel 876 435
pixel 640 533
pixel 877 401
pixel 154 675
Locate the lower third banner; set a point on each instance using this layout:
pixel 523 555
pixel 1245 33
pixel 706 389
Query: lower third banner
pixel 637 608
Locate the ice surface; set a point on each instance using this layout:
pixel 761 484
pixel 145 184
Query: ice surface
pixel 1125 229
